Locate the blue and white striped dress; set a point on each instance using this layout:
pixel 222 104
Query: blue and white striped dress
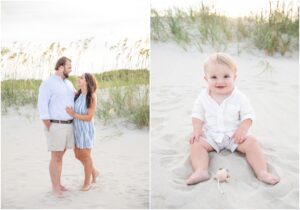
pixel 84 130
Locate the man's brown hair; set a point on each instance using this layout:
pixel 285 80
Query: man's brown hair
pixel 61 62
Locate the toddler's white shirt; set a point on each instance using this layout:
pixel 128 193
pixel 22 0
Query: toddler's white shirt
pixel 224 119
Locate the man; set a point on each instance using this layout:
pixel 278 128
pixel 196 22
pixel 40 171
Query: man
pixel 55 94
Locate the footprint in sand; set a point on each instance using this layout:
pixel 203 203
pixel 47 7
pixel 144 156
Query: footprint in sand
pixel 165 151
pixel 157 120
pixel 167 161
pixel 168 137
pixel 157 128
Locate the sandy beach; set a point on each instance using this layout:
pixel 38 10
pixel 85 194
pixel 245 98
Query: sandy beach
pixel 271 84
pixel 120 154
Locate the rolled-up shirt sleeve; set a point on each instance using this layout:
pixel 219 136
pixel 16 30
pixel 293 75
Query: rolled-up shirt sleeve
pixel 247 112
pixel 43 101
pixel 198 110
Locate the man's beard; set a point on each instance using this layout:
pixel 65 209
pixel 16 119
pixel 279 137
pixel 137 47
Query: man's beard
pixel 66 75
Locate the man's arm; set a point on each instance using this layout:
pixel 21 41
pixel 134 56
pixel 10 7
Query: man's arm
pixel 47 123
pixel 43 104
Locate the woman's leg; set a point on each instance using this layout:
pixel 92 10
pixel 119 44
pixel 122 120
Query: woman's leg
pixel 257 160
pixel 79 156
pixel 199 159
pixel 95 174
pixel 84 155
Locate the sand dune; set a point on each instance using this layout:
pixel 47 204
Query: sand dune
pixel 176 80
pixel 120 153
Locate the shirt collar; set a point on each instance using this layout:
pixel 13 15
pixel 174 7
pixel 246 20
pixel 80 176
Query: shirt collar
pixel 58 77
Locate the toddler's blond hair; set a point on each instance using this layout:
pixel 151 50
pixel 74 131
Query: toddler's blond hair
pixel 220 58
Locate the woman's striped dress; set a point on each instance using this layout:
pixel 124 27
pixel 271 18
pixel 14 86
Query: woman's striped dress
pixel 84 130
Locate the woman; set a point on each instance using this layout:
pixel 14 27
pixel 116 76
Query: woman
pixel 83 113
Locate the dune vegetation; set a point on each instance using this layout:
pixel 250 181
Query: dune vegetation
pixel 122 93
pixel 275 30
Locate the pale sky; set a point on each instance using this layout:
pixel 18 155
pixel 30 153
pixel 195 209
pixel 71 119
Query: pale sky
pixel 67 20
pixel 37 24
pixel 233 8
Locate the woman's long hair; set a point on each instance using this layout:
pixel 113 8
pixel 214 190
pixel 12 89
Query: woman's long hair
pixel 91 84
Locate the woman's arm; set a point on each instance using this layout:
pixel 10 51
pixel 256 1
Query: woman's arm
pixel 90 112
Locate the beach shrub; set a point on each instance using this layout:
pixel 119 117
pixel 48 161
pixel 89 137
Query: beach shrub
pixel 274 31
pixel 122 93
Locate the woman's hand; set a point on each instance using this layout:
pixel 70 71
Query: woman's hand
pixel 70 111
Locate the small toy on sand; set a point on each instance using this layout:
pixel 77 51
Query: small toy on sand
pixel 222 175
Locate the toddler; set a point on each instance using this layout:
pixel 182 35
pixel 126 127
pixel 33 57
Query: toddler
pixel 221 117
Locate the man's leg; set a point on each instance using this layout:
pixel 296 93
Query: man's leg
pixel 55 168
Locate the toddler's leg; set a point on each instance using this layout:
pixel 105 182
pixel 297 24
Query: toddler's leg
pixel 199 159
pixel 257 160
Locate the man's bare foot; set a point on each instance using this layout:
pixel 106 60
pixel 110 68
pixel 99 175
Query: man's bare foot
pixel 85 187
pixel 58 193
pixel 198 176
pixel 95 174
pixel 62 188
pixel 268 178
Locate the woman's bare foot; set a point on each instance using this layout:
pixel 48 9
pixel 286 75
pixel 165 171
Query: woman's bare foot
pixel 62 188
pixel 58 193
pixel 268 178
pixel 95 174
pixel 198 176
pixel 85 187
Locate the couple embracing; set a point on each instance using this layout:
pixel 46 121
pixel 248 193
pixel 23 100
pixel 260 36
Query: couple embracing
pixel 67 115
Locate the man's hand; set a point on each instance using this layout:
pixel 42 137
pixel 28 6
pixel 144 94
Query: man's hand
pixel 195 136
pixel 47 123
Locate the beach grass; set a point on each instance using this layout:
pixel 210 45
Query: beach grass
pixel 30 60
pixel 122 93
pixel 23 64
pixel 278 30
pixel 273 31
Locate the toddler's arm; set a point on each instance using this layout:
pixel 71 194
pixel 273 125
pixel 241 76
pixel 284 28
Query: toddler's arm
pixel 197 130
pixel 240 133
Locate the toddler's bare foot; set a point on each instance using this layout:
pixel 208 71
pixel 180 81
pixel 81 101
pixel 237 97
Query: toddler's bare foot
pixel 62 188
pixel 268 178
pixel 95 174
pixel 198 176
pixel 85 187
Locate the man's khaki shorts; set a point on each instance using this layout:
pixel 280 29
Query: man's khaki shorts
pixel 60 137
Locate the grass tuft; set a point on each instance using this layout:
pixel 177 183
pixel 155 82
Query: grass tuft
pixel 122 93
pixel 274 31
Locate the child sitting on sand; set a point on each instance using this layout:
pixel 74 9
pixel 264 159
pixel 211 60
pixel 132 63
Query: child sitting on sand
pixel 221 117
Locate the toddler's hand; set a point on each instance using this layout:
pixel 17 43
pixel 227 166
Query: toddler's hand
pixel 239 135
pixel 195 136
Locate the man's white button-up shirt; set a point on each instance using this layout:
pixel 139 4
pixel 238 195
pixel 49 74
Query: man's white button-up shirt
pixel 55 94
